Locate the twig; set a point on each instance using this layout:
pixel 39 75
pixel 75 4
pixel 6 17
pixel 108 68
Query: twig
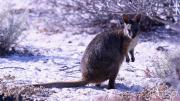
pixel 13 67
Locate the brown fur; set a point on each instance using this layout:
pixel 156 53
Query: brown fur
pixel 101 60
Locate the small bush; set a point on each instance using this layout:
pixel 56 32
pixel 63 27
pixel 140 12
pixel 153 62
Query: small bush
pixel 163 66
pixel 12 26
pixel 22 93
pixel 167 68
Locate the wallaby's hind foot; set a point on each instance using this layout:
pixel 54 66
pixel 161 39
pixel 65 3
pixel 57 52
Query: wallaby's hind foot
pixel 111 84
pixel 113 76
pixel 98 85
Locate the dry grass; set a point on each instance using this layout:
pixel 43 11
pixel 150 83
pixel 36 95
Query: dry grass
pixel 12 26
pixel 167 67
pixel 159 93
pixel 22 93
pixel 28 93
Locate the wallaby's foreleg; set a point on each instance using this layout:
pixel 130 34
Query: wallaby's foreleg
pixel 132 55
pixel 127 58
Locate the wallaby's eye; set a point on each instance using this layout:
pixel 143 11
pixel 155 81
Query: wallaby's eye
pixel 131 21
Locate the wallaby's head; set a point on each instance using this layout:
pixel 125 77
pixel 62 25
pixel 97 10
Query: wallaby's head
pixel 132 24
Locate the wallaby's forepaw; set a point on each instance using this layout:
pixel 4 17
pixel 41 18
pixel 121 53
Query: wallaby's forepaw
pixel 132 59
pixel 127 60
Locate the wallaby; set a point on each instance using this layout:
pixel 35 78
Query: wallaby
pixel 134 22
pixel 102 58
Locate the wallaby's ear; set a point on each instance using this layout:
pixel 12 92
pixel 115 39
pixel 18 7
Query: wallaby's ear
pixel 137 18
pixel 125 18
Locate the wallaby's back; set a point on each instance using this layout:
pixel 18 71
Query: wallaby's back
pixel 103 56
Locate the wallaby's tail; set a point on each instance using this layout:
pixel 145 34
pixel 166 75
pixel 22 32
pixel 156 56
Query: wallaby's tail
pixel 62 84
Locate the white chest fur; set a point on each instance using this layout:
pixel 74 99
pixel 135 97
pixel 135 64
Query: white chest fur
pixel 133 43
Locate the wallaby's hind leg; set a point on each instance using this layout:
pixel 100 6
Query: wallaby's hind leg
pixel 112 78
pixel 111 84
pixel 132 55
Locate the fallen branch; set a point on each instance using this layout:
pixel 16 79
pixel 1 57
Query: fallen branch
pixel 173 26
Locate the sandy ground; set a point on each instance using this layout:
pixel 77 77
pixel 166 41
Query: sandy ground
pixel 57 58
